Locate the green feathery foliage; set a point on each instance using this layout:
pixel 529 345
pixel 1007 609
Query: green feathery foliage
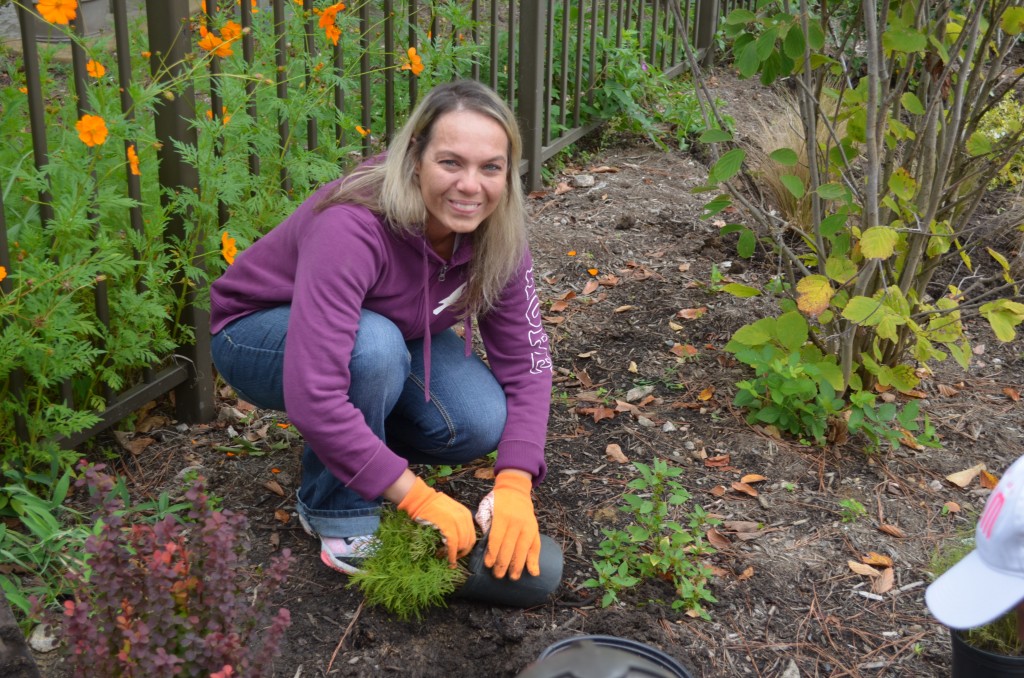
pixel 404 574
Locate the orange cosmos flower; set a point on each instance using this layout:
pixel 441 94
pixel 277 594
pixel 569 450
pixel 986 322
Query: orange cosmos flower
pixel 228 250
pixel 362 130
pixel 57 11
pixel 231 31
pixel 95 69
pixel 133 160
pixel 328 19
pixel 211 43
pixel 92 130
pixel 23 90
pixel 413 62
pixel 3 273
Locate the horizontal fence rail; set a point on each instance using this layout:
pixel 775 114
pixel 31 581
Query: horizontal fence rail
pixel 221 117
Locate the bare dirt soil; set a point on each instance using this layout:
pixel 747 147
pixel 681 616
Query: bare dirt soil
pixel 788 602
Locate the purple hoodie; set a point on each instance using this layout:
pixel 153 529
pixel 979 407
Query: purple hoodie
pixel 331 264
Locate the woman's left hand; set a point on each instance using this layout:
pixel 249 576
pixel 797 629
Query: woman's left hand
pixel 514 541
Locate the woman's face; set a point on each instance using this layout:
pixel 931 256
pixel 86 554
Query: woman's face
pixel 462 174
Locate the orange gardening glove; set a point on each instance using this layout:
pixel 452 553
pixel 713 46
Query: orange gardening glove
pixel 430 507
pixel 515 538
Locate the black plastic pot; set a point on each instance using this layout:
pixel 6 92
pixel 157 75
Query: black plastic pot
pixel 526 592
pixel 604 657
pixel 973 662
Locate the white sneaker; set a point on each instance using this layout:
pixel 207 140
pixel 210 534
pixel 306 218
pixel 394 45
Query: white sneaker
pixel 345 555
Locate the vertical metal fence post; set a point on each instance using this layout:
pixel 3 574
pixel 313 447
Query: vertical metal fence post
pixel 707 24
pixel 531 87
pixel 170 43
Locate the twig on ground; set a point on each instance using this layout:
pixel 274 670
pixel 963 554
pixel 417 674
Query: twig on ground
pixel 341 641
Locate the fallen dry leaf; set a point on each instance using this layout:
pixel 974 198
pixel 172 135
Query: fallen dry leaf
pixel 274 487
pixel 719 571
pixel 884 582
pixel 947 391
pixel 951 507
pixel 707 393
pixel 614 453
pixel 915 393
pixel 717 539
pixel 608 280
pixel 719 460
pixel 752 478
pixel 718 490
pixel 282 516
pixel 745 489
pixel 892 531
pixel 590 287
pixel 672 325
pixel 244 407
pixel 604 169
pixel 554 319
pixel 966 477
pixel 979 349
pixel 862 569
pixel 683 268
pixel 1012 393
pixel 275 540
pixel 632 367
pixel 584 379
pixel 876 559
pixel 746 574
pixel 623 309
pixel 623 406
pixel 741 525
pixel 598 413
pixel 485 473
pixel 988 481
pixel 563 187
pixel 559 306
pixel 683 350
pixel 692 313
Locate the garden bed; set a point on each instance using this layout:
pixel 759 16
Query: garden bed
pixel 788 601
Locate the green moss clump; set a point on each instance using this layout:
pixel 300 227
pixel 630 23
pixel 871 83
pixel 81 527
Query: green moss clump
pixel 404 574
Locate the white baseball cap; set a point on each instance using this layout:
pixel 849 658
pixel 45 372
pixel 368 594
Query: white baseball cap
pixel 989 581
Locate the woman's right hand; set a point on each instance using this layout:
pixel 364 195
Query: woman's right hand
pixel 430 507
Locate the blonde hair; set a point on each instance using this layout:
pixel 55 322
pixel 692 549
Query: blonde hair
pixel 499 243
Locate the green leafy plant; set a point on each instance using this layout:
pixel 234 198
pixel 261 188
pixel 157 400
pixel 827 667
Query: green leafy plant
pixel 1005 120
pixel 851 510
pixel 403 573
pixel 884 179
pixel 48 538
pixel 661 541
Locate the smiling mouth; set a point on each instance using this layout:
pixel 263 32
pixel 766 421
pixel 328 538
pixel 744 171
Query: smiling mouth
pixel 460 206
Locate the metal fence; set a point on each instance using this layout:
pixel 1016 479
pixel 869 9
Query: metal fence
pixel 546 57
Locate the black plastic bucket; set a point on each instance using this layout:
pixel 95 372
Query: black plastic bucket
pixel 973 662
pixel 527 591
pixel 605 657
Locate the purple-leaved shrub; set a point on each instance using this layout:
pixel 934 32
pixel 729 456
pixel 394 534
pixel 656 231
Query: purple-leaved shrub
pixel 169 599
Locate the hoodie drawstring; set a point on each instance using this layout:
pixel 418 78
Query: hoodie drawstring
pixel 426 324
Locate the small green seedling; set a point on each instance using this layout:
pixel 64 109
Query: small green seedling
pixel 852 510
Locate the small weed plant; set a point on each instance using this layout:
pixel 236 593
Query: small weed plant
pixel 655 545
pixel 404 574
pixel 170 599
pixel 851 510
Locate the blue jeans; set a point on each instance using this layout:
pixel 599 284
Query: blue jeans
pixel 464 419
